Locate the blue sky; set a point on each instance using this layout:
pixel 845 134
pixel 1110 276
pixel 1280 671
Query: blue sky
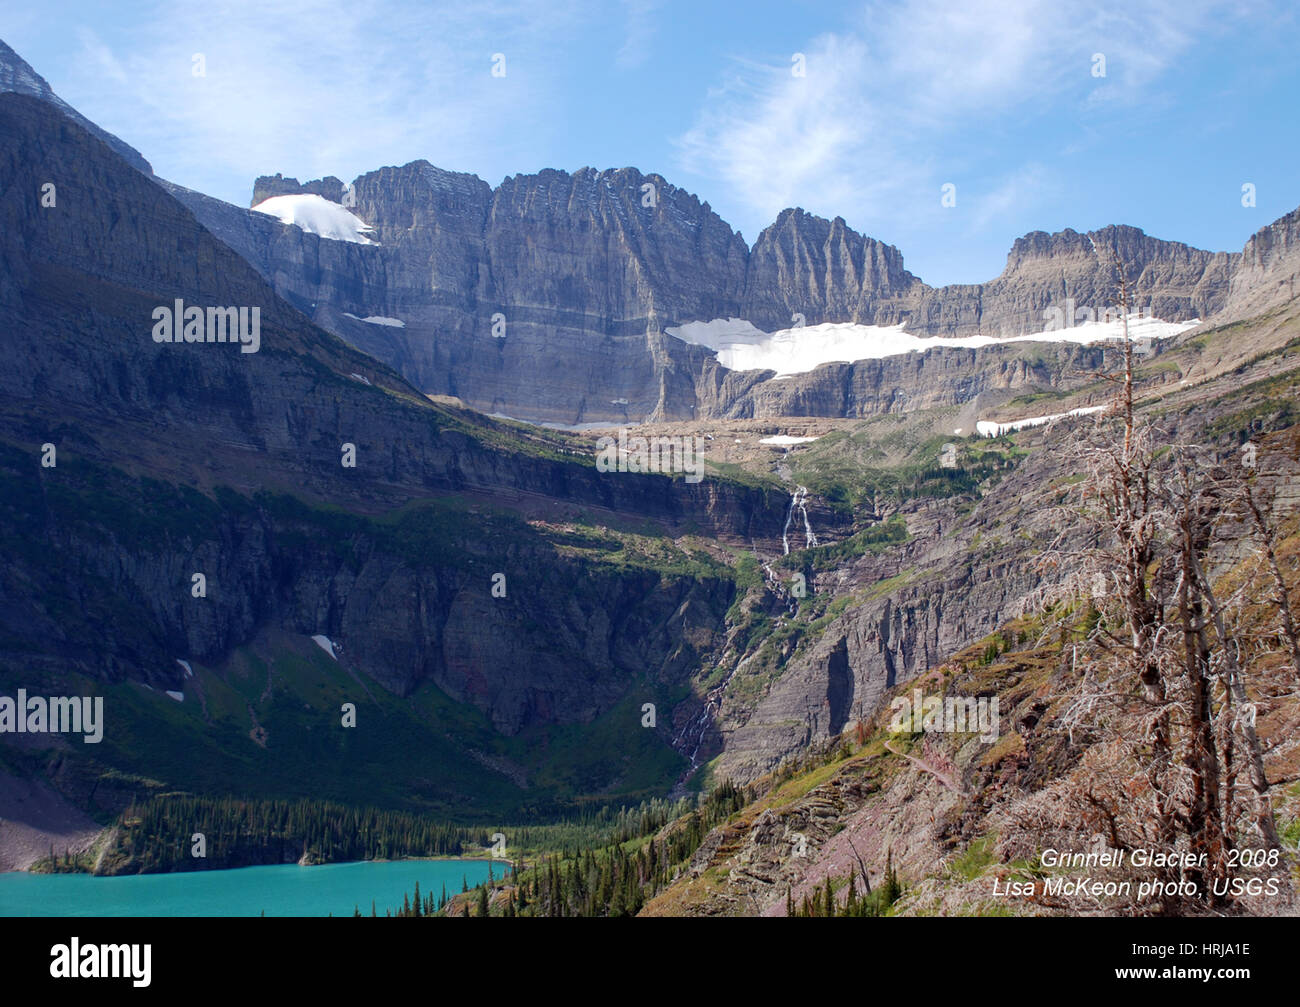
pixel 999 99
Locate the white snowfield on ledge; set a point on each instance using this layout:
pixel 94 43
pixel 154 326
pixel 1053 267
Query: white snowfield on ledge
pixel 991 428
pixel 396 323
pixel 317 215
pixel 743 347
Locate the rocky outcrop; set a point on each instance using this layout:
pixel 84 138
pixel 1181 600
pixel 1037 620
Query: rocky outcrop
pixel 959 578
pixel 942 376
pixel 266 186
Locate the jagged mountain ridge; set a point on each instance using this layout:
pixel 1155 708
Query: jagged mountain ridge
pixel 589 270
pixel 587 248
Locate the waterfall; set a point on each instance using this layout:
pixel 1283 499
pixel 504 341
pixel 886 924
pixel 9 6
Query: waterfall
pixel 797 499
pixel 697 728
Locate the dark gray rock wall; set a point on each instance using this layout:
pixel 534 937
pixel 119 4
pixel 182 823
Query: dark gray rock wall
pixel 165 450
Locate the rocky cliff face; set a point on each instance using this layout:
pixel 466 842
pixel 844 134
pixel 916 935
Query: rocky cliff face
pixel 544 299
pixel 176 458
pixel 968 567
pixel 826 272
pixel 547 298
pixel 266 186
pixel 942 376
pixel 1268 273
pixel 943 601
pixel 1167 279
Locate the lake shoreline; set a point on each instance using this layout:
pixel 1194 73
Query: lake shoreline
pixel 336 889
pixel 468 858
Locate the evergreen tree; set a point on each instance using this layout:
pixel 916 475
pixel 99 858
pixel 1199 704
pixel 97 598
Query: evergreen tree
pixel 891 889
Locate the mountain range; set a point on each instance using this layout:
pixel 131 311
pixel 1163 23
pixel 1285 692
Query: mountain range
pixel 589 281
pixel 523 634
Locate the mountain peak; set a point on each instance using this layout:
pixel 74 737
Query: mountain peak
pixel 18 77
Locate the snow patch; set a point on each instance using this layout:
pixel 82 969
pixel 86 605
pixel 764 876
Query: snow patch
pixel 359 377
pixel 785 440
pixel 178 696
pixel 189 672
pixel 317 215
pixel 326 644
pixel 991 428
pixel 742 347
pixel 396 323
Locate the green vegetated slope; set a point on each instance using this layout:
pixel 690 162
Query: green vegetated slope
pixel 265 720
pixel 943 813
pixel 269 724
pixel 921 817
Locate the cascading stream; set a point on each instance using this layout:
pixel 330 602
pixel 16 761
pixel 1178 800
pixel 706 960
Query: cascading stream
pixel 692 735
pixel 797 499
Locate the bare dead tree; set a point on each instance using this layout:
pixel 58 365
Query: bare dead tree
pixel 1266 535
pixel 1160 701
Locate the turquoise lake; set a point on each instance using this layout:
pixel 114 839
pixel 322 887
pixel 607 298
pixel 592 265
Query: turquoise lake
pixel 280 890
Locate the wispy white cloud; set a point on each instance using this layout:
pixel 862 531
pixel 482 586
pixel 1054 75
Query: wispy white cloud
pixel 642 18
pixel 313 87
pixel 909 95
pixel 1029 184
pixel 101 56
